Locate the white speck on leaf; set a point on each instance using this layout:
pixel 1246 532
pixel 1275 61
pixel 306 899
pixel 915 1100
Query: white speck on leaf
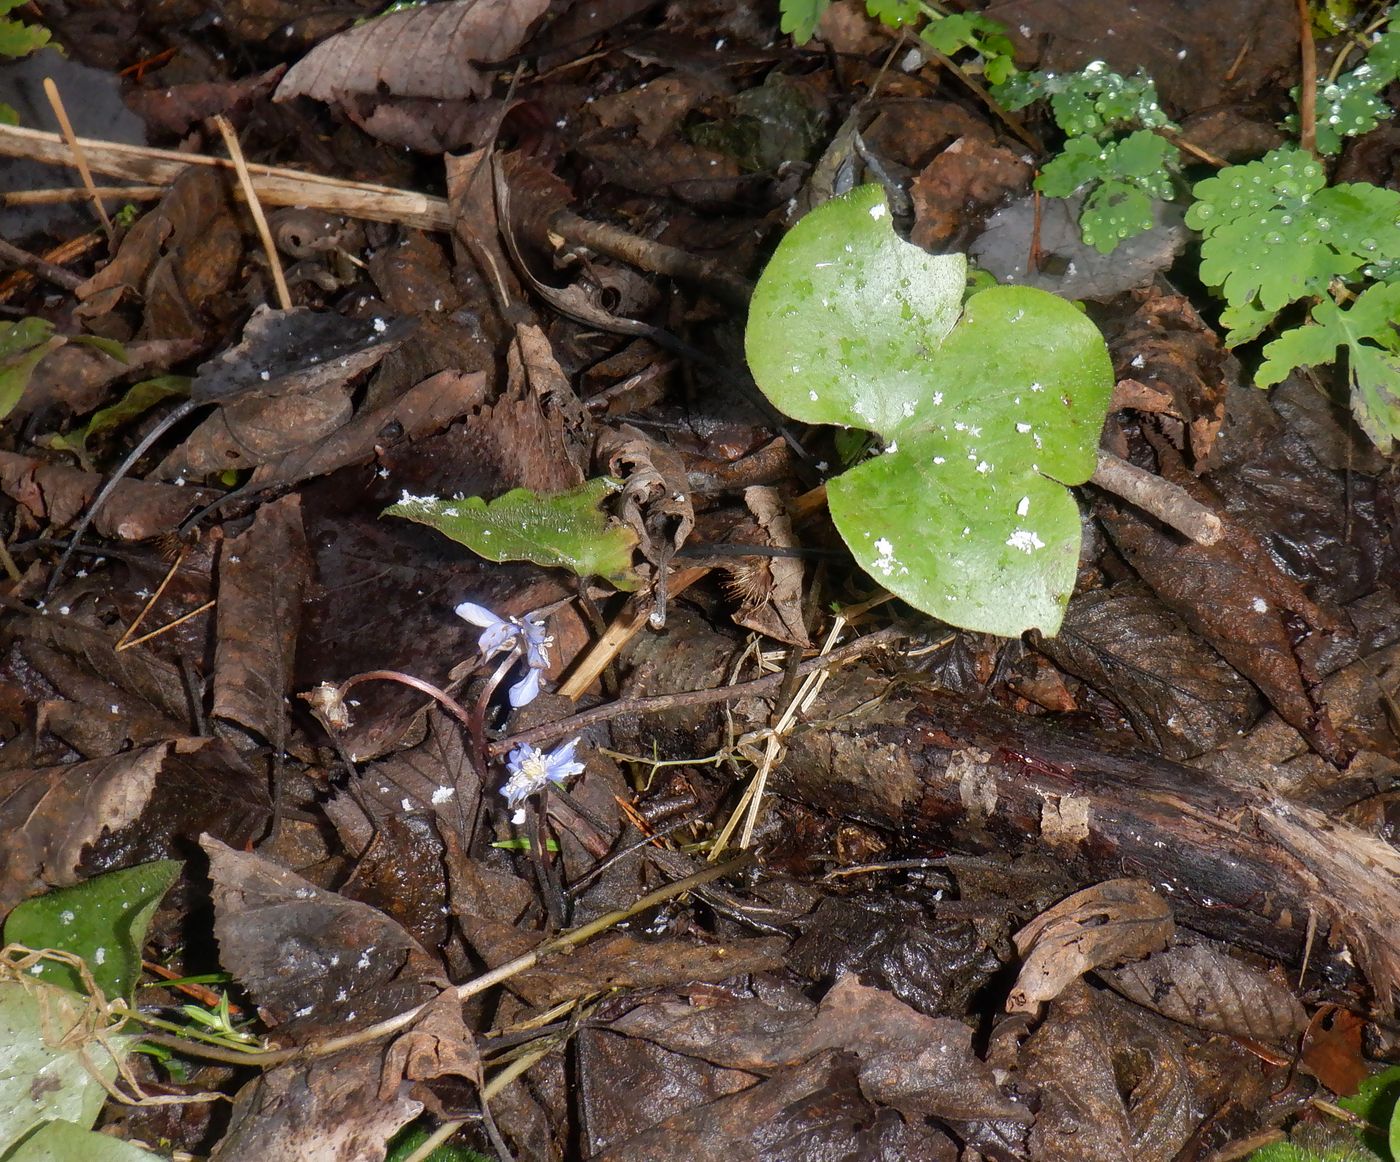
pixel 1025 540
pixel 878 212
pixel 1024 507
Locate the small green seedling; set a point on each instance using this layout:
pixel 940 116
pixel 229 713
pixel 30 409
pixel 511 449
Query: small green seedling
pixel 986 411
pixel 1354 103
pixel 947 33
pixel 1111 149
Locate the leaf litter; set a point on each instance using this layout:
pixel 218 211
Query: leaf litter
pixel 1070 897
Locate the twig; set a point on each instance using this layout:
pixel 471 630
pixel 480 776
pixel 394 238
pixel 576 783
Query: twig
pixel 659 702
pixel 276 186
pixel 74 143
pixel 1168 502
pixel 656 257
pixel 250 195
pixel 1307 92
pixel 58 195
pixel 37 266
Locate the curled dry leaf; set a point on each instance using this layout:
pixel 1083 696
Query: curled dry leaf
pixel 1167 344
pixel 1203 986
pixel 415 52
pixel 655 499
pixel 769 589
pixel 1104 925
pixel 437 1045
pixel 179 257
pixel 325 1110
pixel 48 815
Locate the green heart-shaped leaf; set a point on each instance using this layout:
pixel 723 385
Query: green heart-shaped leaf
pixel 989 411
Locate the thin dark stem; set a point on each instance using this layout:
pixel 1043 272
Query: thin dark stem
pixel 1307 91
pixel 169 421
pixel 577 722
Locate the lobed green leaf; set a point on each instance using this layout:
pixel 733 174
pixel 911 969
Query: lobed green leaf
pixel 988 412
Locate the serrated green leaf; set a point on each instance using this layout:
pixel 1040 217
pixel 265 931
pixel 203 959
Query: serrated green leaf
pixel 568 530
pixel 1083 160
pixel 846 313
pixel 799 18
pixel 22 345
pixel 103 920
pixel 1366 329
pixel 1114 211
pixel 989 414
pixel 894 13
pixel 18 39
pixel 43 1078
pixel 1272 234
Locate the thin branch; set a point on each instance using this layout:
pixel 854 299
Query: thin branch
pixel 1168 502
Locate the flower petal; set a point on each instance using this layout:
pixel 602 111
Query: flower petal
pixel 526 690
pixel 477 614
pixel 498 639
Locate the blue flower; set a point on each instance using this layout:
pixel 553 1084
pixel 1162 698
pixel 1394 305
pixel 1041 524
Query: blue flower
pixel 531 770
pixel 526 637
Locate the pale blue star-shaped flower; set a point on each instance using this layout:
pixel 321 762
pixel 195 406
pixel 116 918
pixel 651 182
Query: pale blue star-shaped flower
pixel 526 637
pixel 531 770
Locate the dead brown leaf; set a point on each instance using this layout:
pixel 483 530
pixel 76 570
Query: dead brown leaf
pixel 1200 985
pixel 769 589
pixel 136 510
pixel 328 1110
pixel 77 376
pixel 968 179
pixel 1102 926
pixel 1177 692
pixel 315 962
pixel 1235 596
pixel 1111 1087
pixel 655 500
pixel 263 574
pixel 1166 344
pixel 415 52
pixel 180 258
pixel 51 814
pixel 922 1065
pixel 1332 1049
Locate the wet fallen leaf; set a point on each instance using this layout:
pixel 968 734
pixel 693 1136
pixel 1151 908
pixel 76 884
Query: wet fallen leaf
pixel 1175 690
pixel 1203 986
pixel 1101 926
pixel 316 962
pixel 322 1111
pixel 50 814
pixel 136 510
